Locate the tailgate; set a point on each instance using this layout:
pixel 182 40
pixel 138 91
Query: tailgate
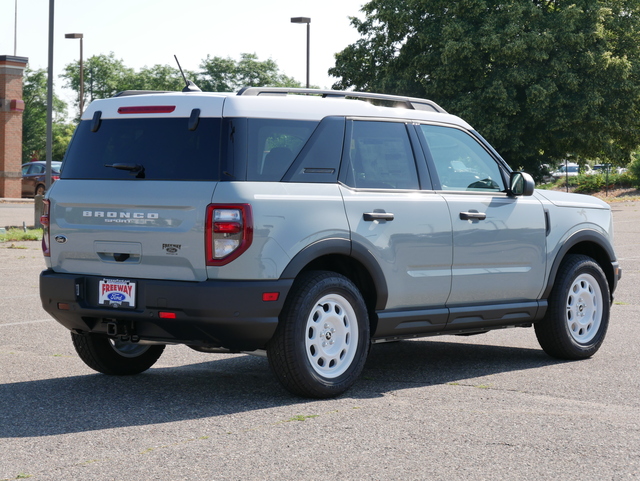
pixel 128 229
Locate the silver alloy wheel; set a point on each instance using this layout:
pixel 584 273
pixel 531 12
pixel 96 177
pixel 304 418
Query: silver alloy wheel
pixel 128 349
pixel 584 308
pixel 332 336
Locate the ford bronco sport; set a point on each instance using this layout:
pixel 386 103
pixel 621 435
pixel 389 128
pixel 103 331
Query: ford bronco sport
pixel 309 224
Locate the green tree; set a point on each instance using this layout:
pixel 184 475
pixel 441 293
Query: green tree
pixel 158 77
pixel 219 74
pixel 62 133
pixel 541 79
pixel 34 119
pixel 104 76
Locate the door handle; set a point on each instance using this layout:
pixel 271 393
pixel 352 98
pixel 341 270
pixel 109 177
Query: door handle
pixel 473 216
pixel 371 216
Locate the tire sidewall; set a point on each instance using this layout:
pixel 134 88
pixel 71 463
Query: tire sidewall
pixel 99 354
pixel 583 265
pixel 301 310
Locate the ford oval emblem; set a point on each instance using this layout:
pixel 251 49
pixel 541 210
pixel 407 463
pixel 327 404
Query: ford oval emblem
pixel 60 239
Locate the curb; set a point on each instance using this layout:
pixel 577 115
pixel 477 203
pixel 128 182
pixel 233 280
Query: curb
pixel 4 200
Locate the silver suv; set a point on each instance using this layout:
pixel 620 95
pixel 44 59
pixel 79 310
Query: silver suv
pixel 309 224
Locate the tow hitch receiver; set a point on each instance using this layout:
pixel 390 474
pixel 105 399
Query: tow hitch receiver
pixel 123 330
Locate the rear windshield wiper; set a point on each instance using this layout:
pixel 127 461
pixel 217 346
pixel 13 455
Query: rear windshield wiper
pixel 133 168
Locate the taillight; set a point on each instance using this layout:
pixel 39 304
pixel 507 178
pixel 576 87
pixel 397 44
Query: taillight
pixel 44 220
pixel 229 232
pixel 55 177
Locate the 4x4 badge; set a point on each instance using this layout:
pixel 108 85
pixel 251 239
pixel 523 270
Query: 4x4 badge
pixel 60 239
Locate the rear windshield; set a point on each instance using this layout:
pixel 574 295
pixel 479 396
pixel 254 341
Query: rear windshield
pixel 151 149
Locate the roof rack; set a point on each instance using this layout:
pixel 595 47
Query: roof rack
pixel 126 93
pixel 406 102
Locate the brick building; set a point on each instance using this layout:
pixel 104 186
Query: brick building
pixel 11 108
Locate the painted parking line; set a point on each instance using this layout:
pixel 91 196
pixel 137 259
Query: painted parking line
pixel 24 296
pixel 26 322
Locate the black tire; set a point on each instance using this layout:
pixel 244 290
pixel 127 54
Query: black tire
pixel 39 189
pixel 322 340
pixel 114 357
pixel 577 318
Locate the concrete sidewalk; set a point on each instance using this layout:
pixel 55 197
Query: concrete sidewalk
pixel 4 200
pixel 17 213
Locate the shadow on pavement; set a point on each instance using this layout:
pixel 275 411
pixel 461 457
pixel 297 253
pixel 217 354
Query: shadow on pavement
pixel 232 385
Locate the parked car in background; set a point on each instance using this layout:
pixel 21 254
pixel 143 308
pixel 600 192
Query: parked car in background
pixel 602 169
pixel 571 169
pixel 33 177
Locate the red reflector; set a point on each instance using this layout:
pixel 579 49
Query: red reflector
pixel 147 109
pixel 46 232
pixel 63 307
pixel 227 227
pixel 270 296
pixel 167 315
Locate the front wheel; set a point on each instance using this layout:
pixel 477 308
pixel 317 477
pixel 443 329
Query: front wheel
pixel 576 321
pixel 322 340
pixel 115 357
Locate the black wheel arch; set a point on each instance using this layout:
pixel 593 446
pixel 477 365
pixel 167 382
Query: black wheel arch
pixel 590 243
pixel 348 258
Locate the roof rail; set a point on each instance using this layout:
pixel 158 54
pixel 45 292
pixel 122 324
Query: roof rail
pixel 406 102
pixel 126 93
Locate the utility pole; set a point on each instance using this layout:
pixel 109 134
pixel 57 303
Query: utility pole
pixel 47 179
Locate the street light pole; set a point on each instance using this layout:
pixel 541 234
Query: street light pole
pixel 15 31
pixel 306 20
pixel 49 144
pixel 80 36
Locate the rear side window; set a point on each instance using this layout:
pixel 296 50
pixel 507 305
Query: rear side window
pixel 319 161
pixel 164 147
pixel 273 145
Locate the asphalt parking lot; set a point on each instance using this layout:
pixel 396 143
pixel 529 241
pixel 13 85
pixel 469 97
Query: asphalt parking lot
pixel 486 407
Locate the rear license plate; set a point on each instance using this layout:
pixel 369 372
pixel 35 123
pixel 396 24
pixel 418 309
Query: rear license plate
pixel 117 293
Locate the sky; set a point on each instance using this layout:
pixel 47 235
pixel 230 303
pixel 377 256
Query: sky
pixel 149 32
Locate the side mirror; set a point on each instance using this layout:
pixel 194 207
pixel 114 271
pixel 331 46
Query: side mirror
pixel 521 183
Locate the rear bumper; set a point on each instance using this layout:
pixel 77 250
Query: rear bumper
pixel 230 314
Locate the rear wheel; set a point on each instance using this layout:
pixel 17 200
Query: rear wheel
pixel 578 315
pixel 322 340
pixel 112 356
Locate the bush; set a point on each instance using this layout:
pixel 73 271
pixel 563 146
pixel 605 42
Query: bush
pixel 590 184
pixel 634 170
pixel 20 235
pixel 627 180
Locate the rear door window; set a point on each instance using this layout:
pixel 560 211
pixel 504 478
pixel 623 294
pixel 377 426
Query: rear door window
pixel 164 147
pixel 380 156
